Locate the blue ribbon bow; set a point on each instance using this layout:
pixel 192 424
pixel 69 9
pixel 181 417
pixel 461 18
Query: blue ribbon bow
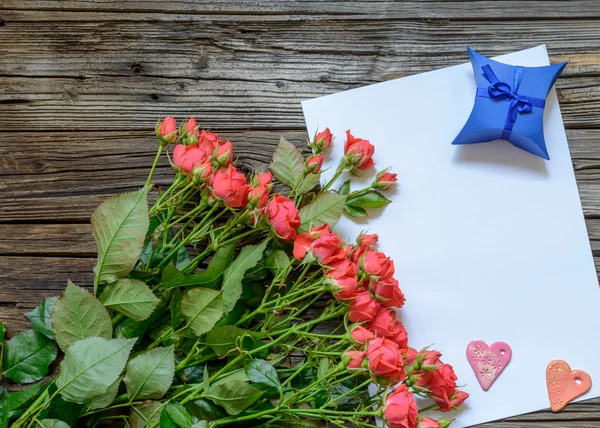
pixel 502 91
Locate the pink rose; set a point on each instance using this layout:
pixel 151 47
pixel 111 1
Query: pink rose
pixel 265 178
pixel 367 240
pixel 322 243
pixel 441 384
pixel 356 359
pixel 207 141
pixel 283 217
pixel 358 152
pixel 385 180
pixel 383 322
pixel 343 279
pixel 323 140
pixel 361 335
pixel 389 294
pixel 400 409
pixel 187 157
pixel 385 359
pixel 428 423
pixel 314 164
pixel 363 307
pixel 224 153
pixel 378 266
pixel 399 335
pixel 167 130
pixel 230 186
pixel 259 194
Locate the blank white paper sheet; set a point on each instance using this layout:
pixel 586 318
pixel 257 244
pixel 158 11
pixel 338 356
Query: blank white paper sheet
pixel 489 241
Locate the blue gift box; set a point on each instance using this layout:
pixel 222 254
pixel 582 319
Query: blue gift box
pixel 509 104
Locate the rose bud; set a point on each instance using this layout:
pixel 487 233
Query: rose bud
pixel 224 153
pixel 314 164
pixel 358 152
pixel 187 157
pixel 230 186
pixel 283 217
pixel 363 308
pixel 458 398
pixel 368 240
pixel 384 180
pixel 258 196
pixel 361 335
pixel 166 130
pixel 190 130
pixel 354 359
pixel 322 141
pixel 202 172
pixel 428 423
pixel 385 359
pixel 265 178
pixel 400 409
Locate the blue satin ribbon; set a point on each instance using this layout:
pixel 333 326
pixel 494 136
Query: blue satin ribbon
pixel 502 91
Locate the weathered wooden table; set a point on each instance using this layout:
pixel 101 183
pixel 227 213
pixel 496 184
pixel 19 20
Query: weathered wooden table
pixel 83 82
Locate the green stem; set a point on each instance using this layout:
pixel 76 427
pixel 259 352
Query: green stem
pixel 330 183
pixel 160 149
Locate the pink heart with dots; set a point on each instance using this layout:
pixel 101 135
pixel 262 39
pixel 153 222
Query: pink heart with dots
pixel 488 361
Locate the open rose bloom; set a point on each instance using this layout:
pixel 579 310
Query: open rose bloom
pixel 232 300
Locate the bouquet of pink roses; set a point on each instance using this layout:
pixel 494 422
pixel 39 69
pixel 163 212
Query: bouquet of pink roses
pixel 228 304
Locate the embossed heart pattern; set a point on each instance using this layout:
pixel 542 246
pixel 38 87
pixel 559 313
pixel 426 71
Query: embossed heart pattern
pixel 488 361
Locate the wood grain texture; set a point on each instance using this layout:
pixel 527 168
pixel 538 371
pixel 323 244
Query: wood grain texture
pixel 82 83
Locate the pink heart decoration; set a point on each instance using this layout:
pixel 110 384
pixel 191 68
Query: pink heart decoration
pixel 488 361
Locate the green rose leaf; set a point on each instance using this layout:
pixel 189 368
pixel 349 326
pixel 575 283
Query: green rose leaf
pixel 309 183
pixel 326 208
pixel 224 339
pixel 371 199
pixel 288 164
pixel 204 410
pixel 106 399
pixel 130 297
pixel 78 315
pixel 41 317
pixel 91 366
pixel 277 261
pixel 175 307
pixel 150 374
pixel 200 424
pixel 52 423
pixel 171 276
pixel 119 227
pixel 233 275
pixel 262 373
pixel 214 272
pixel 344 188
pixel 353 211
pixel 142 415
pixel 62 410
pixel 179 415
pixel 28 356
pixel 234 396
pixel 14 400
pixel 202 308
pixel 165 420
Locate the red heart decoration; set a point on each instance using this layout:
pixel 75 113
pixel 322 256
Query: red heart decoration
pixel 564 384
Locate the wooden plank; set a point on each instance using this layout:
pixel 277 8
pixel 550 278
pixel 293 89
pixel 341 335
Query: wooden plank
pixel 92 76
pixel 345 52
pixel 64 176
pixel 373 9
pixel 117 103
